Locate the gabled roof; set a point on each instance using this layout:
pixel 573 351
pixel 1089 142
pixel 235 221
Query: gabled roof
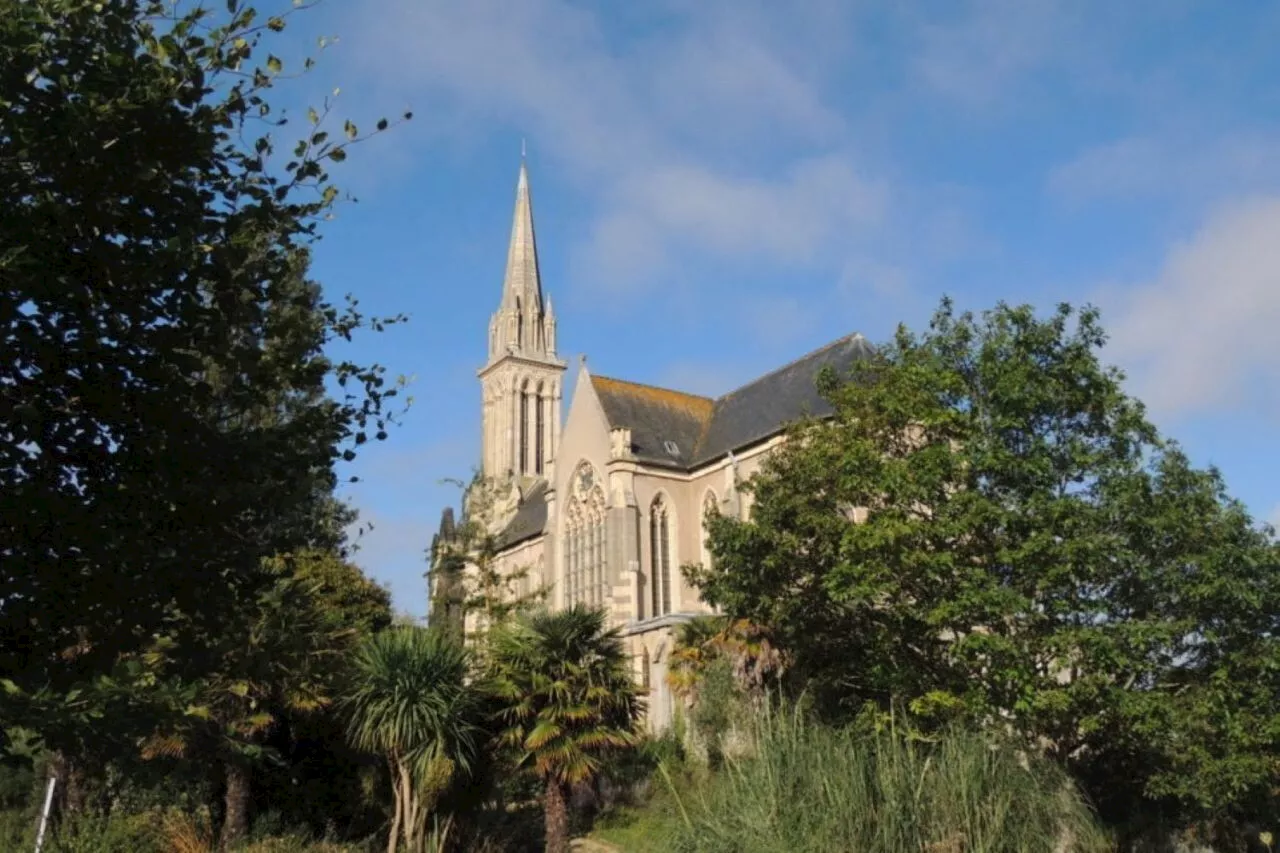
pixel 679 430
pixel 685 431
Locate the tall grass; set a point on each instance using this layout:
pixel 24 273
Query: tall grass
pixel 803 787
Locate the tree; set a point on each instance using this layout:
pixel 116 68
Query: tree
pixel 568 702
pixel 160 347
pixel 989 528
pixel 279 657
pixel 355 602
pixel 410 703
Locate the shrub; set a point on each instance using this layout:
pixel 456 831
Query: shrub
pixel 804 787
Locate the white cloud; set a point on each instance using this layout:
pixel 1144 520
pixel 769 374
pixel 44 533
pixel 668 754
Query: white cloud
pixel 989 45
pixel 1202 336
pixel 1189 164
pixel 708 133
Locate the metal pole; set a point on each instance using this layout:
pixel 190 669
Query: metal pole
pixel 44 814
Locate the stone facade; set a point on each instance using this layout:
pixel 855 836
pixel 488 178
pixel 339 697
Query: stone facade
pixel 606 508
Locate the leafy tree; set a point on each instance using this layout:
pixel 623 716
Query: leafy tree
pixel 279 657
pixel 353 600
pixel 569 702
pixel 989 527
pixel 162 430
pixel 410 703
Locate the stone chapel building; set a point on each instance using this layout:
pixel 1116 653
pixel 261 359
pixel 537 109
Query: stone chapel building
pixel 605 507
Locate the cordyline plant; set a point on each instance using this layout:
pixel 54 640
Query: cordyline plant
pixel 410 703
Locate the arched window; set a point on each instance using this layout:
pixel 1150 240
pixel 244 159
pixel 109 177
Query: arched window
pixel 524 427
pixel 660 557
pixel 539 425
pixel 586 575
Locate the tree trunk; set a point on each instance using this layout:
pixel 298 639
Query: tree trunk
pixel 235 822
pixel 393 840
pixel 556 809
pixel 69 795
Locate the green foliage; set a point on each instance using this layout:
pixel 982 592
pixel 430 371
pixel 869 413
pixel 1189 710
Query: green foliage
pixel 568 692
pixel 989 529
pixel 410 703
pixel 160 347
pixel 568 701
pixel 162 387
pixel 355 602
pixel 721 667
pixel 805 787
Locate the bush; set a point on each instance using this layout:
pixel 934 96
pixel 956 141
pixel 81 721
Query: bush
pixel 805 787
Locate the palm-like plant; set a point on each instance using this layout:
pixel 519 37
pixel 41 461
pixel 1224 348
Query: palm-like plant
pixel 693 649
pixel 410 702
pixel 274 659
pixel 568 701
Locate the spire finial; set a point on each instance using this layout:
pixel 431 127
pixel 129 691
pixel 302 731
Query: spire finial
pixel 522 148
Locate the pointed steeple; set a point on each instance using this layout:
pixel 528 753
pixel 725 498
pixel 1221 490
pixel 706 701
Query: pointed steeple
pixel 522 324
pixel 522 284
pixel 522 376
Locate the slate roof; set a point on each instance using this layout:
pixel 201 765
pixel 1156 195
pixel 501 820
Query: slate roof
pixel 655 417
pixel 685 431
pixel 679 430
pixel 530 518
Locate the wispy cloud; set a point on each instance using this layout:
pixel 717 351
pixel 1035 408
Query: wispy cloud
pixel 1201 336
pixel 706 132
pixel 1186 165
pixel 982 48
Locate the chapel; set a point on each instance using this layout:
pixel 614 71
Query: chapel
pixel 605 504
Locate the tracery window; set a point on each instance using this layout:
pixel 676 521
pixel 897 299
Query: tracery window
pixel 660 557
pixel 586 577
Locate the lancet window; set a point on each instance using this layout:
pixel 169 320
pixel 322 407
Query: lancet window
pixel 540 426
pixel 660 557
pixel 524 428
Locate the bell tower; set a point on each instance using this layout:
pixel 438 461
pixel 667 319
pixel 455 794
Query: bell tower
pixel 521 380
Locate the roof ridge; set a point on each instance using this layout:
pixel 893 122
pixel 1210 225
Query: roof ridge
pixel 654 387
pixel 849 338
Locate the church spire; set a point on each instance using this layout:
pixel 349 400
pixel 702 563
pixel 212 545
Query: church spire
pixel 523 323
pixel 522 284
pixel 521 379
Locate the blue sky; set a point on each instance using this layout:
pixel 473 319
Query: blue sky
pixel 722 185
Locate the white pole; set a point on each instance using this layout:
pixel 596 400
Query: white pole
pixel 44 815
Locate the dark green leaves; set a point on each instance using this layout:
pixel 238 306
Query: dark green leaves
pixel 990 528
